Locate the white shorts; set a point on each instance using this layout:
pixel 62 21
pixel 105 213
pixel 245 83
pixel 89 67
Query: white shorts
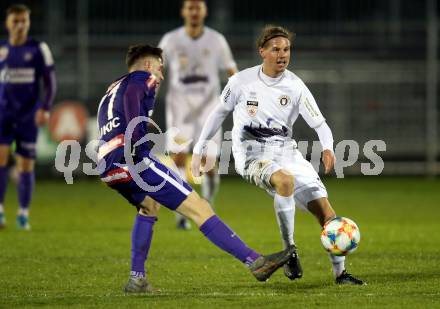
pixel 258 170
pixel 185 123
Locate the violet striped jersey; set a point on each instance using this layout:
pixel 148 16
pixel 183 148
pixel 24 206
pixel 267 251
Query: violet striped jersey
pixel 21 70
pixel 128 97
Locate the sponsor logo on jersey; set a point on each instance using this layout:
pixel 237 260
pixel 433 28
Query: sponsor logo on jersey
pixel 3 53
pixel 284 100
pixel 17 75
pixel 227 95
pixel 27 56
pixel 252 107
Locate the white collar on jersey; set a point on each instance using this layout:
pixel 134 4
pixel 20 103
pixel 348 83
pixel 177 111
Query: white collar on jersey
pixel 267 80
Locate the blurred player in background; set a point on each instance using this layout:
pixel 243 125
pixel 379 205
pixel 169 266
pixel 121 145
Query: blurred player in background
pixel 193 55
pixel 127 99
pixel 266 100
pixel 24 63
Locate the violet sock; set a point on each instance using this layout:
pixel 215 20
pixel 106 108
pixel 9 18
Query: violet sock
pixel 25 188
pixel 3 182
pixel 140 243
pixel 223 237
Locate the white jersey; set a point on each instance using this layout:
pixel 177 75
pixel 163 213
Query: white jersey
pixel 194 64
pixel 265 108
pixel 264 111
pixel 194 84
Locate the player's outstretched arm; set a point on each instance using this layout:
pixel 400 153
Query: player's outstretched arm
pixel 309 110
pixel 326 139
pixel 228 100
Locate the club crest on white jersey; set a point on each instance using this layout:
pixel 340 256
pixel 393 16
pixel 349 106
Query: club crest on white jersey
pixel 252 108
pixel 284 100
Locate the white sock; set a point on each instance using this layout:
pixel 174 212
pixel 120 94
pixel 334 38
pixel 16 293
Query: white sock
pixel 285 213
pixel 210 186
pixel 2 209
pixel 338 264
pixel 23 212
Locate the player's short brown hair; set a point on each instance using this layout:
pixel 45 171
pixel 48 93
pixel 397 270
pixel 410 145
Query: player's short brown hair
pixel 17 9
pixel 271 31
pixel 136 52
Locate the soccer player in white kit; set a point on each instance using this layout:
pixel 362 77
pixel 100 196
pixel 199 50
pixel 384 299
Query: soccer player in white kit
pixel 193 56
pixel 266 100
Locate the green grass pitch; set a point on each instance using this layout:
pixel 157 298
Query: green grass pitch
pixel 77 254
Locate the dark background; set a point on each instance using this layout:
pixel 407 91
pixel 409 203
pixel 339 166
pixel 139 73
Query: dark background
pixel 371 65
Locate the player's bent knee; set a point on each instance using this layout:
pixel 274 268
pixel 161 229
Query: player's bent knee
pixel 149 207
pixel 287 184
pixel 283 183
pixel 25 165
pixel 196 209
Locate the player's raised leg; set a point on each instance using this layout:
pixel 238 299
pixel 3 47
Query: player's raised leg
pixel 324 212
pixel 141 237
pixel 221 235
pixel 179 159
pixel 175 194
pixel 25 188
pixel 284 204
pixel 4 155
